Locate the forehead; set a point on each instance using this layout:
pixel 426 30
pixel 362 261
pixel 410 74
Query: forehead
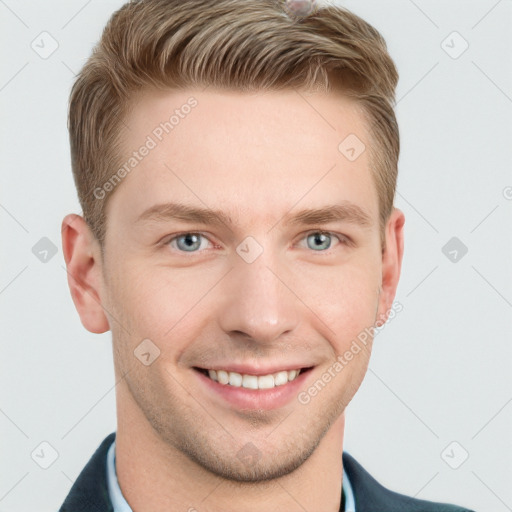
pixel 254 153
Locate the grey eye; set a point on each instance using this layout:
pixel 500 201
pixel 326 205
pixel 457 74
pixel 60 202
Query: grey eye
pixel 189 242
pixel 319 241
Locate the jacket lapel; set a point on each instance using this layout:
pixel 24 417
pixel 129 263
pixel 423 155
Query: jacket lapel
pixel 89 493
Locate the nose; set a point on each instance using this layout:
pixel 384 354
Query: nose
pixel 257 301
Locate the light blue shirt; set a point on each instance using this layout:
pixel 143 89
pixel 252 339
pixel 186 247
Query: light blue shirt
pixel 121 505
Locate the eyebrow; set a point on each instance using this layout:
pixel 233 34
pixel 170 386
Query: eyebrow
pixel 344 212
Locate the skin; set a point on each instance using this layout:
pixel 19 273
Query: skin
pixel 257 157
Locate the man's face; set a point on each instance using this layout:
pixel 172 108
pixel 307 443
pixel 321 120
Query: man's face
pixel 259 292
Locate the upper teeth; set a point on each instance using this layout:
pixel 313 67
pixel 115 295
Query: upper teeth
pixel 253 381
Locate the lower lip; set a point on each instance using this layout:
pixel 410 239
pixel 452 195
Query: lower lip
pixel 266 399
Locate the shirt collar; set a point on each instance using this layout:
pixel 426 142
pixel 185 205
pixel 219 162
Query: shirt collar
pixel 350 502
pixel 121 505
pixel 114 491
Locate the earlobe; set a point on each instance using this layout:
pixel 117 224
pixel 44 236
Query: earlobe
pixel 83 266
pixel 391 262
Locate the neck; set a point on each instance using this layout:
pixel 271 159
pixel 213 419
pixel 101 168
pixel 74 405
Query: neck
pixel 156 477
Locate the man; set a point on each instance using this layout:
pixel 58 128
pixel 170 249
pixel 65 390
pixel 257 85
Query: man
pixel 236 163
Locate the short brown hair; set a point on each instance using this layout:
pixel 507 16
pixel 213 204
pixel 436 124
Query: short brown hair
pixel 244 45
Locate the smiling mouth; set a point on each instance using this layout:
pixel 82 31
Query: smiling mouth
pixel 244 380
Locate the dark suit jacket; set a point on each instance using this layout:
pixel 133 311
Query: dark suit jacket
pixel 90 492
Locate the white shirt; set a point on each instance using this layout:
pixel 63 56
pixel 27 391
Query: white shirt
pixel 121 505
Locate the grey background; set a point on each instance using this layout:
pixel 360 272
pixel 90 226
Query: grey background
pixel 441 370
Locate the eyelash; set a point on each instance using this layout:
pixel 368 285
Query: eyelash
pixel 342 239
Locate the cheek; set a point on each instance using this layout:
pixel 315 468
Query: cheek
pixel 339 301
pixel 158 303
pixel 345 299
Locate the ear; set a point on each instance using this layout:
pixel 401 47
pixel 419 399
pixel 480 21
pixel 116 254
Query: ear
pixel 391 263
pixel 83 264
